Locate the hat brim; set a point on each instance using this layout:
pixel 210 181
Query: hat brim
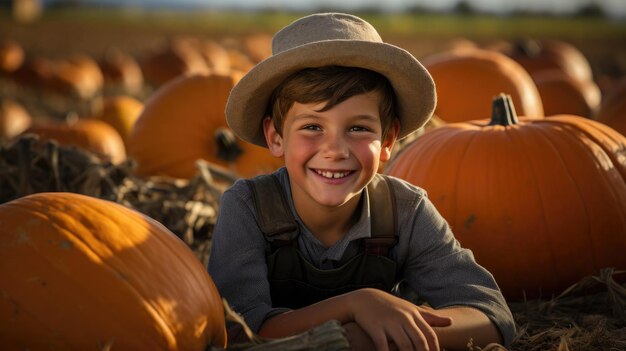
pixel 412 84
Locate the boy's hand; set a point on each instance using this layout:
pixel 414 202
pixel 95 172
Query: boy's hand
pixel 388 319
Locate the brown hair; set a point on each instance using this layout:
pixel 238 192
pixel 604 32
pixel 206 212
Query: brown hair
pixel 334 84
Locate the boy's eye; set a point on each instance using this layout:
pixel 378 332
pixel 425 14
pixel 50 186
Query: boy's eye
pixel 359 129
pixel 311 127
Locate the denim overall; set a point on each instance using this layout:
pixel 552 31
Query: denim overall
pixel 295 282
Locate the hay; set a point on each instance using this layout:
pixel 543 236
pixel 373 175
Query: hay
pixel 589 315
pixel 187 207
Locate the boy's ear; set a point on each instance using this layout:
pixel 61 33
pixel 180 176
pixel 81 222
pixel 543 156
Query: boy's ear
pixel 389 141
pixel 272 138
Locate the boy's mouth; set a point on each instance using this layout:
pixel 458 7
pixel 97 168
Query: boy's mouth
pixel 332 174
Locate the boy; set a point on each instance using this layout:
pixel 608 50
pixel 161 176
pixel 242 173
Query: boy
pixel 325 237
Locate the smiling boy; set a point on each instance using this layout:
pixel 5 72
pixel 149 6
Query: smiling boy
pixel 326 237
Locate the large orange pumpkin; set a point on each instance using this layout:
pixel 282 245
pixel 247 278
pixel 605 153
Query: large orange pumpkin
pixel 89 134
pixel 540 202
pixel 464 79
pixel 612 111
pixel 78 272
pixel 184 121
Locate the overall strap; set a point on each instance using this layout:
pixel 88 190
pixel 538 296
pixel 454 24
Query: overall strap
pixel 275 218
pixel 382 203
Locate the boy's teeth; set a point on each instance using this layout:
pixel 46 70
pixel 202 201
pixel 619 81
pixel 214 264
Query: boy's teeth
pixel 328 174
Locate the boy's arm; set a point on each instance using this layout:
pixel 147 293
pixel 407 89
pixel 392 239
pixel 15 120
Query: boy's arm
pixel 446 276
pixel 382 316
pixel 467 324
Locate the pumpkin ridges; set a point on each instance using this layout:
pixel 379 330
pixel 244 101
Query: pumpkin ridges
pixel 90 295
pixel 125 254
pixel 612 141
pixel 538 141
pixel 465 78
pixel 528 210
pixel 597 187
pixel 193 267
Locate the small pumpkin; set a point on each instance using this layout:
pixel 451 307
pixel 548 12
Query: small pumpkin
pixel 540 201
pixel 11 56
pixel 14 119
pixel 548 54
pixel 77 74
pixel 612 110
pixel 184 121
pixel 89 134
pixel 465 78
pixel 78 272
pixel 121 112
pixel 121 70
pixel 214 54
pixel 258 46
pixel 562 94
pixel 174 59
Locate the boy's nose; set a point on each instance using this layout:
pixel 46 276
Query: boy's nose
pixel 335 147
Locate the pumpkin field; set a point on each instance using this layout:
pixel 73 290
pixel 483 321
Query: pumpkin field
pixel 114 152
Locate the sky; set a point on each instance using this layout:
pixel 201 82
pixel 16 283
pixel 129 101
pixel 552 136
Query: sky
pixel 615 8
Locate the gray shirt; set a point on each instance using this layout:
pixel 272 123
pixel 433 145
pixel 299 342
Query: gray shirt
pixel 430 260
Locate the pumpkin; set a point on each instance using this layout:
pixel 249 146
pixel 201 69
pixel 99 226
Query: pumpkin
pixel 184 121
pixel 120 69
pixel 174 59
pixel 541 202
pixel 548 54
pixel 34 72
pixel 612 111
pixel 78 272
pixel 77 74
pixel 89 134
pixel 258 46
pixel 465 78
pixel 121 112
pixel 14 119
pixel 11 56
pixel 214 55
pixel 562 94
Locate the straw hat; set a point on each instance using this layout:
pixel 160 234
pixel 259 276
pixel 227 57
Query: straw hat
pixel 330 39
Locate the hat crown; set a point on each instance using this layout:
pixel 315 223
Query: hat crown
pixel 323 27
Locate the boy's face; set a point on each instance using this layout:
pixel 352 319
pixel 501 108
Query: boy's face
pixel 332 155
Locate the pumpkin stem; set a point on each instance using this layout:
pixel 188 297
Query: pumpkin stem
pixel 227 147
pixel 503 111
pixel 527 48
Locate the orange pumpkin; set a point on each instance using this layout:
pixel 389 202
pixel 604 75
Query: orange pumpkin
pixel 120 69
pixel 184 121
pixel 121 112
pixel 540 201
pixel 612 111
pixel 562 94
pixel 78 272
pixel 258 46
pixel 77 74
pixel 175 59
pixel 90 134
pixel 214 55
pixel 14 119
pixel 548 54
pixel 11 56
pixel 464 79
